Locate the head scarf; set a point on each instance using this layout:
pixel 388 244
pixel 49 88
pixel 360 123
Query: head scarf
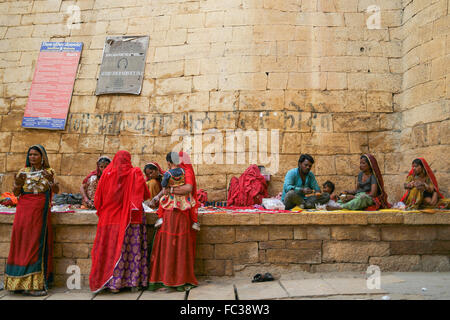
pixel 45 163
pixel 430 174
pixel 96 172
pixel 381 201
pixel 161 171
pixel 118 199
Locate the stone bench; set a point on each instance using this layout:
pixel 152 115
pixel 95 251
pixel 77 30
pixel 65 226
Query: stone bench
pixel 248 243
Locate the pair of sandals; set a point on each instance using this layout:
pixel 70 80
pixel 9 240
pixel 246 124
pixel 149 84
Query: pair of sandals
pixel 262 278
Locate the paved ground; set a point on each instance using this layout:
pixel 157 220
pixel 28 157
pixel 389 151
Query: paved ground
pixel 293 286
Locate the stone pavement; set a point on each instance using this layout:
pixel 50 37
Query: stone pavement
pixel 291 286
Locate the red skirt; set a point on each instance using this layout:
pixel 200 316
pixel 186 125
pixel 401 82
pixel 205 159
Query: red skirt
pixel 30 252
pixel 173 253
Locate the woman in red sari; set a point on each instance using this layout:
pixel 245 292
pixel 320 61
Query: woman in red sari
pixel 119 254
pixel 29 265
pixel 173 253
pixel 421 186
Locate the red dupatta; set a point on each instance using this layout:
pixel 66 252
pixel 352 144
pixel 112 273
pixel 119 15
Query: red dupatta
pixel 429 173
pixel 120 193
pixel 381 201
pixel 96 172
pixel 186 165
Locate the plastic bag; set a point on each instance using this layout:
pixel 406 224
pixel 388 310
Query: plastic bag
pixel 399 205
pixel 273 204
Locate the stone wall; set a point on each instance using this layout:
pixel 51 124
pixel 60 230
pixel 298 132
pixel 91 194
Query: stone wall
pixel 246 244
pixel 311 69
pixel 422 105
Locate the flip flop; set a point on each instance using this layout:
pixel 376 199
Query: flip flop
pixel 258 278
pixel 268 277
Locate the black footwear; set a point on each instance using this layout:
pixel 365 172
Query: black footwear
pixel 257 278
pixel 268 277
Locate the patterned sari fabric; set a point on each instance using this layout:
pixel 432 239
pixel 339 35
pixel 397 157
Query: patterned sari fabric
pixel 363 201
pixel 173 253
pixel 414 197
pixel 29 264
pixel 118 200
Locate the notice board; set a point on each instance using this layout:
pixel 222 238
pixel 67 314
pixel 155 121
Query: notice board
pixel 52 86
pixel 123 64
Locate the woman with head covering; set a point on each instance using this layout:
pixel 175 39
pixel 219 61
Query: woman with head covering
pixel 89 185
pixel 29 265
pixel 421 186
pixel 154 174
pixel 173 252
pixel 119 254
pixel 369 193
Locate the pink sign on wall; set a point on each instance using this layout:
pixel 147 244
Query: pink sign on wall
pixel 52 86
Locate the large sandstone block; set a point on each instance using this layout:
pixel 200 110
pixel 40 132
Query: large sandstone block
pixel 280 232
pixel 401 263
pixel 355 233
pixel 243 252
pixel 77 234
pixel 352 251
pixel 397 233
pixel 252 233
pixel 217 235
pixel 435 263
pixel 283 256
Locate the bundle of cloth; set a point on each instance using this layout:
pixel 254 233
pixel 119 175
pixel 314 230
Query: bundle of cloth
pixel 67 198
pixel 249 189
pixel 8 199
pixel 202 196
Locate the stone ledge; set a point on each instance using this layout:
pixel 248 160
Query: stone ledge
pixel 294 218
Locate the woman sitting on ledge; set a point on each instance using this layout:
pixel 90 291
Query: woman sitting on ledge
pixel 369 193
pixel 89 185
pixel 421 186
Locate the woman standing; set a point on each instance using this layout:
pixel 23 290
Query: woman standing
pixel 90 183
pixel 119 254
pixel 29 265
pixel 173 253
pixel 421 186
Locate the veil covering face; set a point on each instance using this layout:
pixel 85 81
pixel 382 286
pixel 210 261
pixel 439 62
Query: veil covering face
pixel 118 199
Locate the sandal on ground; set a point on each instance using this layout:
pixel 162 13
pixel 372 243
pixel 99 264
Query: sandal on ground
pixel 257 278
pixel 268 277
pixel 262 278
pixel 114 291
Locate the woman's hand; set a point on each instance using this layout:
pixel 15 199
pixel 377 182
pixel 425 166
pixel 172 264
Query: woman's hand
pixel 349 197
pixel 49 176
pixel 20 179
pixel 307 190
pixel 154 203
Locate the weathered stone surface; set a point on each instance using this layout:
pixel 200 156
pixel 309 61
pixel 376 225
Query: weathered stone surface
pixel 408 233
pixel 352 251
pixel 435 263
pixel 245 252
pixel 217 235
pixel 293 256
pixel 280 232
pixel 355 233
pixel 397 263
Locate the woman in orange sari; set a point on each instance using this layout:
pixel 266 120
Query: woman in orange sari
pixel 119 254
pixel 153 173
pixel 421 186
pixel 173 253
pixel 29 264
